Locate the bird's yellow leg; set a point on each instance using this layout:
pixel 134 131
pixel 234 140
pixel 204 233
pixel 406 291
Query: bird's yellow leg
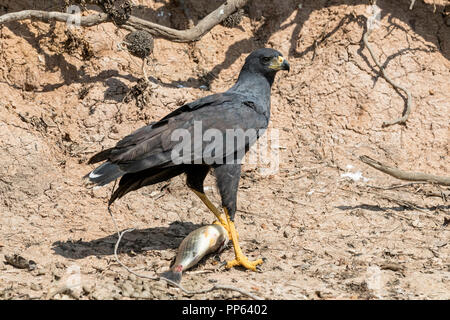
pixel 213 209
pixel 241 259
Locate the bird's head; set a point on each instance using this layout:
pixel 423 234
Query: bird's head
pixel 266 61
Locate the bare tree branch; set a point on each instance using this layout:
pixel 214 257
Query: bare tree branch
pixel 188 35
pixel 405 175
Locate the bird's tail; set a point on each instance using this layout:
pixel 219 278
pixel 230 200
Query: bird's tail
pixel 172 275
pixel 104 174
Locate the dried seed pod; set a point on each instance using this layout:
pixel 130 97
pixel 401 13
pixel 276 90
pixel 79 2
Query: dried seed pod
pixel 139 43
pixel 118 10
pixel 234 19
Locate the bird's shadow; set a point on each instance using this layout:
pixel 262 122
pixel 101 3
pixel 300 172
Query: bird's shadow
pixel 138 240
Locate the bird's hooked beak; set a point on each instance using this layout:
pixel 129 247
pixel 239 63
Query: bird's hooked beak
pixel 279 63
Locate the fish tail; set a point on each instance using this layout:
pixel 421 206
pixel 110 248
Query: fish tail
pixel 172 275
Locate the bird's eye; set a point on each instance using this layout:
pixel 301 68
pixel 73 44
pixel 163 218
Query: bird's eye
pixel 266 59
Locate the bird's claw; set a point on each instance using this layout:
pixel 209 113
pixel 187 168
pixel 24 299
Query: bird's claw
pixel 244 262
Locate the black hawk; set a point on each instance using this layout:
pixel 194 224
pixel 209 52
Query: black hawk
pixel 195 139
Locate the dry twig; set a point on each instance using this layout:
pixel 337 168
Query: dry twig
pixel 444 195
pixel 397 186
pixel 405 175
pixel 392 266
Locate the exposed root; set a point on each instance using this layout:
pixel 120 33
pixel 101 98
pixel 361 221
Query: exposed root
pixel 370 26
pixel 405 175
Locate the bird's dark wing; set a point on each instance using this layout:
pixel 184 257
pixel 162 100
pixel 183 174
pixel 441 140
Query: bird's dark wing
pixel 152 145
pixel 146 132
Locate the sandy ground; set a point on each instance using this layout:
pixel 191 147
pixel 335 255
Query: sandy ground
pixel 321 221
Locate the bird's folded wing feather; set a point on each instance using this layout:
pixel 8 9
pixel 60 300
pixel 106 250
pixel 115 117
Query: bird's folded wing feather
pixel 152 145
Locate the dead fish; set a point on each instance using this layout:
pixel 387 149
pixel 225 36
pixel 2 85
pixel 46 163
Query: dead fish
pixel 194 247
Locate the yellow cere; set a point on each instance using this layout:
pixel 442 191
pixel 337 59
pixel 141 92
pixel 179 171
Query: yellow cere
pixel 276 63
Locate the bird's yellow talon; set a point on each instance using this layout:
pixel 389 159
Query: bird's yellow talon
pixel 241 259
pixel 228 225
pixel 244 262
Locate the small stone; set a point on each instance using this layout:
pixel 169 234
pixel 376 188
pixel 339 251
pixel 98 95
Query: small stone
pixel 127 289
pixel 20 262
pixel 98 295
pixel 146 294
pixel 305 266
pixel 35 287
pixel 137 286
pixel 218 295
pixel 166 255
pixel 39 271
pixel 157 295
pixel 87 288
pixel 116 296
